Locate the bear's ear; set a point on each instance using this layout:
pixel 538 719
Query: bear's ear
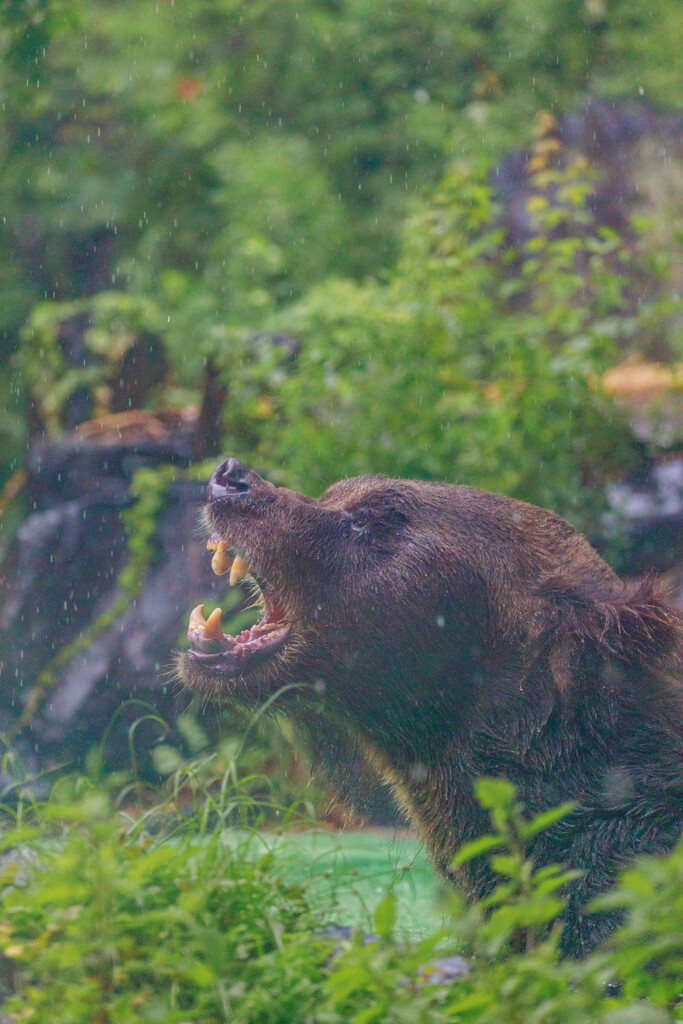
pixel 630 623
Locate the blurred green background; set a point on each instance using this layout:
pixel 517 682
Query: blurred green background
pixel 317 200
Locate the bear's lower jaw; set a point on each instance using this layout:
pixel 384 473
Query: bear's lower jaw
pixel 223 657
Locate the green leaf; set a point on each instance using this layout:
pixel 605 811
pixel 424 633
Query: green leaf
pixel 495 794
pixel 385 915
pixel 547 818
pixel 506 865
pixel 478 846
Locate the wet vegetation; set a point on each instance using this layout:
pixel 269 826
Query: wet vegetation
pixel 180 911
pixel 468 209
pixel 328 238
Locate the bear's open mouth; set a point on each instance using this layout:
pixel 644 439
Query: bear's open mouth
pixel 236 655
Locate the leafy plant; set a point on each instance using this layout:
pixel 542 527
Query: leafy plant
pixel 140 915
pixel 475 362
pixel 112 324
pixel 215 160
pixel 107 930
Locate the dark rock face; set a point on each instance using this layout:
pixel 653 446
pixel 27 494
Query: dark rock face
pixel 458 634
pixel 61 574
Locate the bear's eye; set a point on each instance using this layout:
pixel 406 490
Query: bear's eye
pixel 358 522
pixel 375 524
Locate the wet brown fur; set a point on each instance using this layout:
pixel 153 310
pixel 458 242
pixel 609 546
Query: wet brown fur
pixel 457 634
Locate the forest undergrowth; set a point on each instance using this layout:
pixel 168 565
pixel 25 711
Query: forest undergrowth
pixel 189 903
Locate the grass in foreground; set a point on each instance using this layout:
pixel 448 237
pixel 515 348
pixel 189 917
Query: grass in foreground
pixel 196 916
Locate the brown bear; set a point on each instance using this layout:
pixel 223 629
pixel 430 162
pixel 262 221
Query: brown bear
pixel 459 634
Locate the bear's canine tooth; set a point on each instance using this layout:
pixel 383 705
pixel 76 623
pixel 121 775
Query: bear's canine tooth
pixel 212 629
pixel 239 570
pixel 197 620
pixel 220 563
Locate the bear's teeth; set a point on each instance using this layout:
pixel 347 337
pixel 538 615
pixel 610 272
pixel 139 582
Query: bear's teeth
pixel 197 620
pixel 212 629
pixel 220 563
pixel 239 570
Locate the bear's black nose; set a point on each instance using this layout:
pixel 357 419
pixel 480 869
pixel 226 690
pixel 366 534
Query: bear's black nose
pixel 231 477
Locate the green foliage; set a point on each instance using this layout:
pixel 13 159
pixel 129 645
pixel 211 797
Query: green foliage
pixel 148 490
pixel 115 321
pixel 472 363
pixel 646 952
pixel 203 166
pixel 114 928
pixel 130 129
pixel 167 914
pixel 255 775
pixel 635 979
pixel 526 900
